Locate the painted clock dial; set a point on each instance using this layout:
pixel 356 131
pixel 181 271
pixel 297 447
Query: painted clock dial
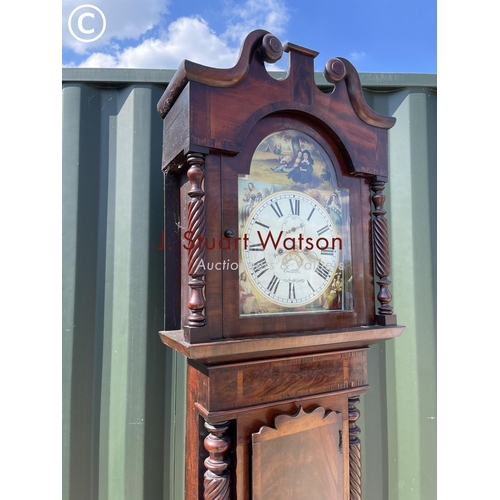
pixel 295 253
pixel 291 249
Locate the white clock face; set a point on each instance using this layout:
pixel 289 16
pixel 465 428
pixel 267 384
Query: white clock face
pixel 291 248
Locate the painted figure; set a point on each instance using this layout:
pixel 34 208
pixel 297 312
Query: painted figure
pixel 287 164
pixel 335 210
pixel 334 298
pixel 250 198
pixel 248 302
pixel 302 172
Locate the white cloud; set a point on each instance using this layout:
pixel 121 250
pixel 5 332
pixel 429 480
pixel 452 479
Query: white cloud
pixel 124 19
pixel 186 38
pixel 271 15
pixel 99 60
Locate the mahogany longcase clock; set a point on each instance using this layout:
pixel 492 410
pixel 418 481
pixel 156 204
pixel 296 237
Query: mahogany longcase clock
pixel 276 268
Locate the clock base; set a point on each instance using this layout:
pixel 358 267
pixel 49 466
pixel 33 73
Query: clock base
pixel 266 414
pixel 276 428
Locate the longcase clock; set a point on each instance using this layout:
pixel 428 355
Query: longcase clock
pixel 276 269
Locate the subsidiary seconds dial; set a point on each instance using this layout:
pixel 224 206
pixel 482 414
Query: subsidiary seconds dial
pixel 292 248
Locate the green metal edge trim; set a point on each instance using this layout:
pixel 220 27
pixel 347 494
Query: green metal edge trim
pixel 125 76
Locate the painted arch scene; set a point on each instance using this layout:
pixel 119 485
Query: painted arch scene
pixel 284 163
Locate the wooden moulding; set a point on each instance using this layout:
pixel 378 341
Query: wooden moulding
pixel 270 346
pixel 224 415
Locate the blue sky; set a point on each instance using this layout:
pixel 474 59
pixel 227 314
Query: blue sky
pixel 375 35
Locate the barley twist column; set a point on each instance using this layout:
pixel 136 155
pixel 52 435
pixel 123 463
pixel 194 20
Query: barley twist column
pixel 217 478
pixel 196 228
pixel 381 252
pixel 354 450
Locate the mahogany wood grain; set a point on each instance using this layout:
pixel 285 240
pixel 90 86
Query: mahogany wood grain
pixel 249 420
pixel 255 382
pixel 322 380
pixel 299 457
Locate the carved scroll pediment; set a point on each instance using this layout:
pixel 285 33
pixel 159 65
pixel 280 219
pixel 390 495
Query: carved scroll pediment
pixel 268 48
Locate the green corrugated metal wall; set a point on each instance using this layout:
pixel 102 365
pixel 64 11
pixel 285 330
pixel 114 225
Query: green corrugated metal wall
pixel 123 390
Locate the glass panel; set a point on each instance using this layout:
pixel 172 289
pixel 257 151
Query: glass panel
pixel 295 246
